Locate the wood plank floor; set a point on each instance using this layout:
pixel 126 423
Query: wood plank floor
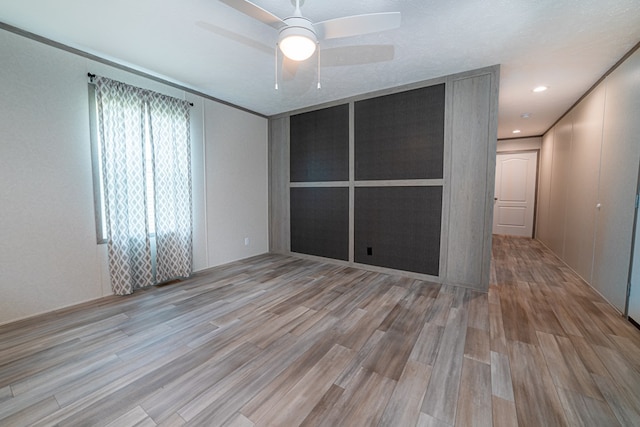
pixel 279 341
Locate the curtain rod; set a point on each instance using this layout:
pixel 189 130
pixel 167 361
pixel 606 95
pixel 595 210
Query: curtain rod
pixel 93 76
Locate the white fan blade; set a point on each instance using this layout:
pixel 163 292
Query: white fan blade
pixel 357 55
pixel 256 12
pixel 357 24
pixel 240 38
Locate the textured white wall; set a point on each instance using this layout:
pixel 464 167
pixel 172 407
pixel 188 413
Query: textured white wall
pixel 237 185
pixel 520 144
pixel 49 258
pixel 48 254
pixel 589 179
pixel 543 226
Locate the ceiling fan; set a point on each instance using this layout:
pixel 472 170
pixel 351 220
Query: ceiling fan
pixel 298 36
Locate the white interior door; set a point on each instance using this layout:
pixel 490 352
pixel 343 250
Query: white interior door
pixel 515 193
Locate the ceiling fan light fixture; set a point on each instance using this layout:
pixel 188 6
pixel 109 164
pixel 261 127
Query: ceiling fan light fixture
pixel 298 40
pixel 297 48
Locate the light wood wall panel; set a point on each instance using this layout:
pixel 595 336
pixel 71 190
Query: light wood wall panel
pixel 473 151
pixel 279 216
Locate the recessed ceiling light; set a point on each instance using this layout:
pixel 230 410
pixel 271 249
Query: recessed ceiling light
pixel 540 89
pixel 525 115
pixel 517 131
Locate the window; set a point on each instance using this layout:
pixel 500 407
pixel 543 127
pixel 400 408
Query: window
pixel 141 155
pixel 98 173
pixel 96 162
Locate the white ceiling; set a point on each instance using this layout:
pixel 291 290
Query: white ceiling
pixel 208 46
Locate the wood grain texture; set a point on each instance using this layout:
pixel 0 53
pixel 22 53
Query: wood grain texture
pixel 429 421
pixel 362 402
pixel 474 400
pixel 536 398
pixel 135 417
pixel 442 393
pixel 504 412
pixel 277 340
pixel 477 345
pixel 498 338
pixel 300 400
pixel 501 385
pixel 324 406
pixel 472 175
pixel 403 408
pixel 571 361
pixel 565 366
pixel 240 421
pixel 585 411
pixel 279 218
pixel 620 403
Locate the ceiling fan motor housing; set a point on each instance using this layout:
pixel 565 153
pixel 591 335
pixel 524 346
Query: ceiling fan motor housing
pixel 298 39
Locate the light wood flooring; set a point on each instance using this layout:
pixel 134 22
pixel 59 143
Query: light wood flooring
pixel 279 341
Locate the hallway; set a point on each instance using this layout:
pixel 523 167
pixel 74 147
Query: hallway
pixel 572 357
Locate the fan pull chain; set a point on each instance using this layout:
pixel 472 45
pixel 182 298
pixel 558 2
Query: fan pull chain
pixel 318 49
pixel 276 67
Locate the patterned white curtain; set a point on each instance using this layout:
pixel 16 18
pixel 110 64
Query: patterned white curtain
pixel 138 128
pixel 170 139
